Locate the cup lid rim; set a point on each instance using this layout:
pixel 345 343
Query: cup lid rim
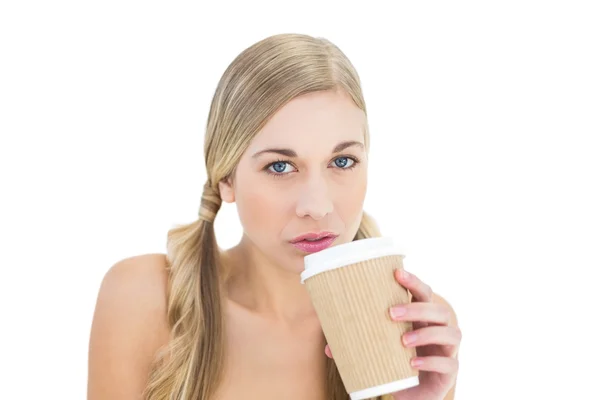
pixel 348 253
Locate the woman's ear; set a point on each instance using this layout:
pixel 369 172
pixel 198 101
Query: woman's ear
pixel 226 190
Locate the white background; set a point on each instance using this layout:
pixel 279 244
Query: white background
pixel 485 161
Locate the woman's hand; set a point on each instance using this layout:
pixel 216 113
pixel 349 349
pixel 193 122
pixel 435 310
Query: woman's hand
pixel 436 337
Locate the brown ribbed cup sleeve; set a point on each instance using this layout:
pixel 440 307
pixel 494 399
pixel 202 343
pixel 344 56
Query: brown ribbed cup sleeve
pixel 352 303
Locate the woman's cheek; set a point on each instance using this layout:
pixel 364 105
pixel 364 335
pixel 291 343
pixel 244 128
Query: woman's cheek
pixel 349 204
pixel 259 208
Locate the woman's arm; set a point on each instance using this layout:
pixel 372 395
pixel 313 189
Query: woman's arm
pixel 128 328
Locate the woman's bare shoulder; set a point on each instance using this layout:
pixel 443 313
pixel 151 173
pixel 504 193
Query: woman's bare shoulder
pixel 146 273
pixel 128 327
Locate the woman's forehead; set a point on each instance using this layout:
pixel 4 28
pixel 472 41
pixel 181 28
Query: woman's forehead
pixel 320 119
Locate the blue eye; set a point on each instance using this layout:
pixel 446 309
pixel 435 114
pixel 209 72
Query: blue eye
pixel 344 162
pixel 278 168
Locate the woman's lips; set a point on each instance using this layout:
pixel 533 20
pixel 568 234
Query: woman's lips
pixel 314 246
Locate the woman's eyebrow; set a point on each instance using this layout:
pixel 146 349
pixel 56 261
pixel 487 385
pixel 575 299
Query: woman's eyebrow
pixel 291 153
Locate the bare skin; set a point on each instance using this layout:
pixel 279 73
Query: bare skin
pixel 267 358
pixel 129 326
pixel 276 346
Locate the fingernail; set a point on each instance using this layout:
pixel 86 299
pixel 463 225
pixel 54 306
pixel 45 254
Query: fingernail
pixel 415 362
pixel 404 274
pixel 396 312
pixel 409 338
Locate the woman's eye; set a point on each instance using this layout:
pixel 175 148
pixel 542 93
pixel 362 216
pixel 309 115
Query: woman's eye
pixel 279 167
pixel 344 162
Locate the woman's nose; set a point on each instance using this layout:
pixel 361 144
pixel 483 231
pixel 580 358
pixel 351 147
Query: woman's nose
pixel 314 200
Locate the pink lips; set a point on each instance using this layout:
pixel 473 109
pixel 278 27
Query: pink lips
pixel 314 246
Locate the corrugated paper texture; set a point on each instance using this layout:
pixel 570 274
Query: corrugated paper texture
pixel 352 303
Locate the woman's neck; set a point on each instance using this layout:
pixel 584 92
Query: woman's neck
pixel 267 289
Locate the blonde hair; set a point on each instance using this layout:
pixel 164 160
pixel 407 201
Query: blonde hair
pixel 258 82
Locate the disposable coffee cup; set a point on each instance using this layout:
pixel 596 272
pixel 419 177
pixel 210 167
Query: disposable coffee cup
pixel 352 288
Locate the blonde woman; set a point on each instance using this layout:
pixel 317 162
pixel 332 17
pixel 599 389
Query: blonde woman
pixel 287 141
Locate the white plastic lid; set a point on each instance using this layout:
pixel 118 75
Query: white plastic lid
pixel 348 253
pixel 385 388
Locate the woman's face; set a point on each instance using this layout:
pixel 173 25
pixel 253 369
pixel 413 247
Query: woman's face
pixel 305 171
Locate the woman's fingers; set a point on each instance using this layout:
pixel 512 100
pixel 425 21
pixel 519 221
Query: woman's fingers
pixel 447 337
pixel 443 365
pixel 419 290
pixel 433 313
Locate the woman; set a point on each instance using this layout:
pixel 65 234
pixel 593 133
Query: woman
pixel 287 141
